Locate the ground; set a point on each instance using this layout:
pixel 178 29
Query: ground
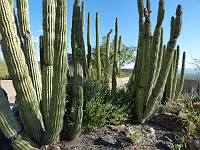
pixel 164 131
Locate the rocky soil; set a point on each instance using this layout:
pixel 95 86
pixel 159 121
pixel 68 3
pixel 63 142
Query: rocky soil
pixel 163 132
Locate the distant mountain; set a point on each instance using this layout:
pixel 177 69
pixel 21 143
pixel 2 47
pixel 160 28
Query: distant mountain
pixel 191 73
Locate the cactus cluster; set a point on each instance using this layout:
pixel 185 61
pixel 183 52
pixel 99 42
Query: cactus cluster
pixel 152 64
pixel 33 91
pixel 41 91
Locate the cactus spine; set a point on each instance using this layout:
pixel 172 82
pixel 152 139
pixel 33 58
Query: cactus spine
pixel 98 60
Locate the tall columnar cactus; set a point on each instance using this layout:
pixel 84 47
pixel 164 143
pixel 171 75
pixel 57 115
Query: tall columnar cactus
pixel 26 95
pixel 85 66
pixel 28 46
pixel 170 88
pixel 57 104
pixel 115 60
pixel 78 27
pixel 107 58
pixel 79 68
pixel 77 113
pixel 98 59
pixel 149 79
pixel 10 126
pixel 181 80
pixel 23 69
pixel 48 40
pixel 89 58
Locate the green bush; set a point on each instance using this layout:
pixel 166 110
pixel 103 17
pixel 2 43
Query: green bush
pixel 189 115
pixel 3 70
pixel 101 108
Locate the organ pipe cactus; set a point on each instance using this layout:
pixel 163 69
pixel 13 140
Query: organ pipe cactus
pixel 23 69
pixel 57 104
pixel 77 101
pixel 85 67
pixel 115 60
pixel 77 113
pixel 181 80
pixel 89 59
pixel 107 57
pixel 48 55
pixel 26 96
pixel 170 88
pixel 28 46
pixel 149 79
pixel 10 126
pixel 98 60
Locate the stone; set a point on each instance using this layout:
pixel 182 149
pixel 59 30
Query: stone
pixel 194 142
pixel 166 144
pixel 107 140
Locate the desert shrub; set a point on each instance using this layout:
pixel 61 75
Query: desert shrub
pixel 3 70
pixel 189 115
pixel 100 107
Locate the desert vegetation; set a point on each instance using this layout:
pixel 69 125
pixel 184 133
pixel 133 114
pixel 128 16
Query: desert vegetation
pixel 55 103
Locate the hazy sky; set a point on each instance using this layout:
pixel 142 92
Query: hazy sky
pixel 127 14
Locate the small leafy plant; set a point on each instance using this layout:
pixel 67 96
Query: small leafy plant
pixel 100 107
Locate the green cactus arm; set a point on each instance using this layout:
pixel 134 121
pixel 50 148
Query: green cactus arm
pixel 78 31
pixel 85 66
pixel 114 71
pixel 98 60
pixel 77 113
pixel 49 15
pixel 73 40
pixel 160 55
pixel 18 70
pixel 161 81
pixel 89 59
pixel 181 81
pixel 57 104
pixel 168 86
pixel 118 53
pixel 41 45
pixel 154 52
pixel 8 122
pixel 83 16
pixel 107 59
pixel 22 142
pixel 28 47
pixel 176 60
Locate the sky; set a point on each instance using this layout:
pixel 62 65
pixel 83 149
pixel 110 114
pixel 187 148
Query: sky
pixel 127 13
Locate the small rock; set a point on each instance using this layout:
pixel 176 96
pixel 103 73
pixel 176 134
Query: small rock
pixel 166 144
pixel 107 140
pixel 55 147
pixel 165 138
pixel 150 133
pixel 194 142
pixel 119 128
